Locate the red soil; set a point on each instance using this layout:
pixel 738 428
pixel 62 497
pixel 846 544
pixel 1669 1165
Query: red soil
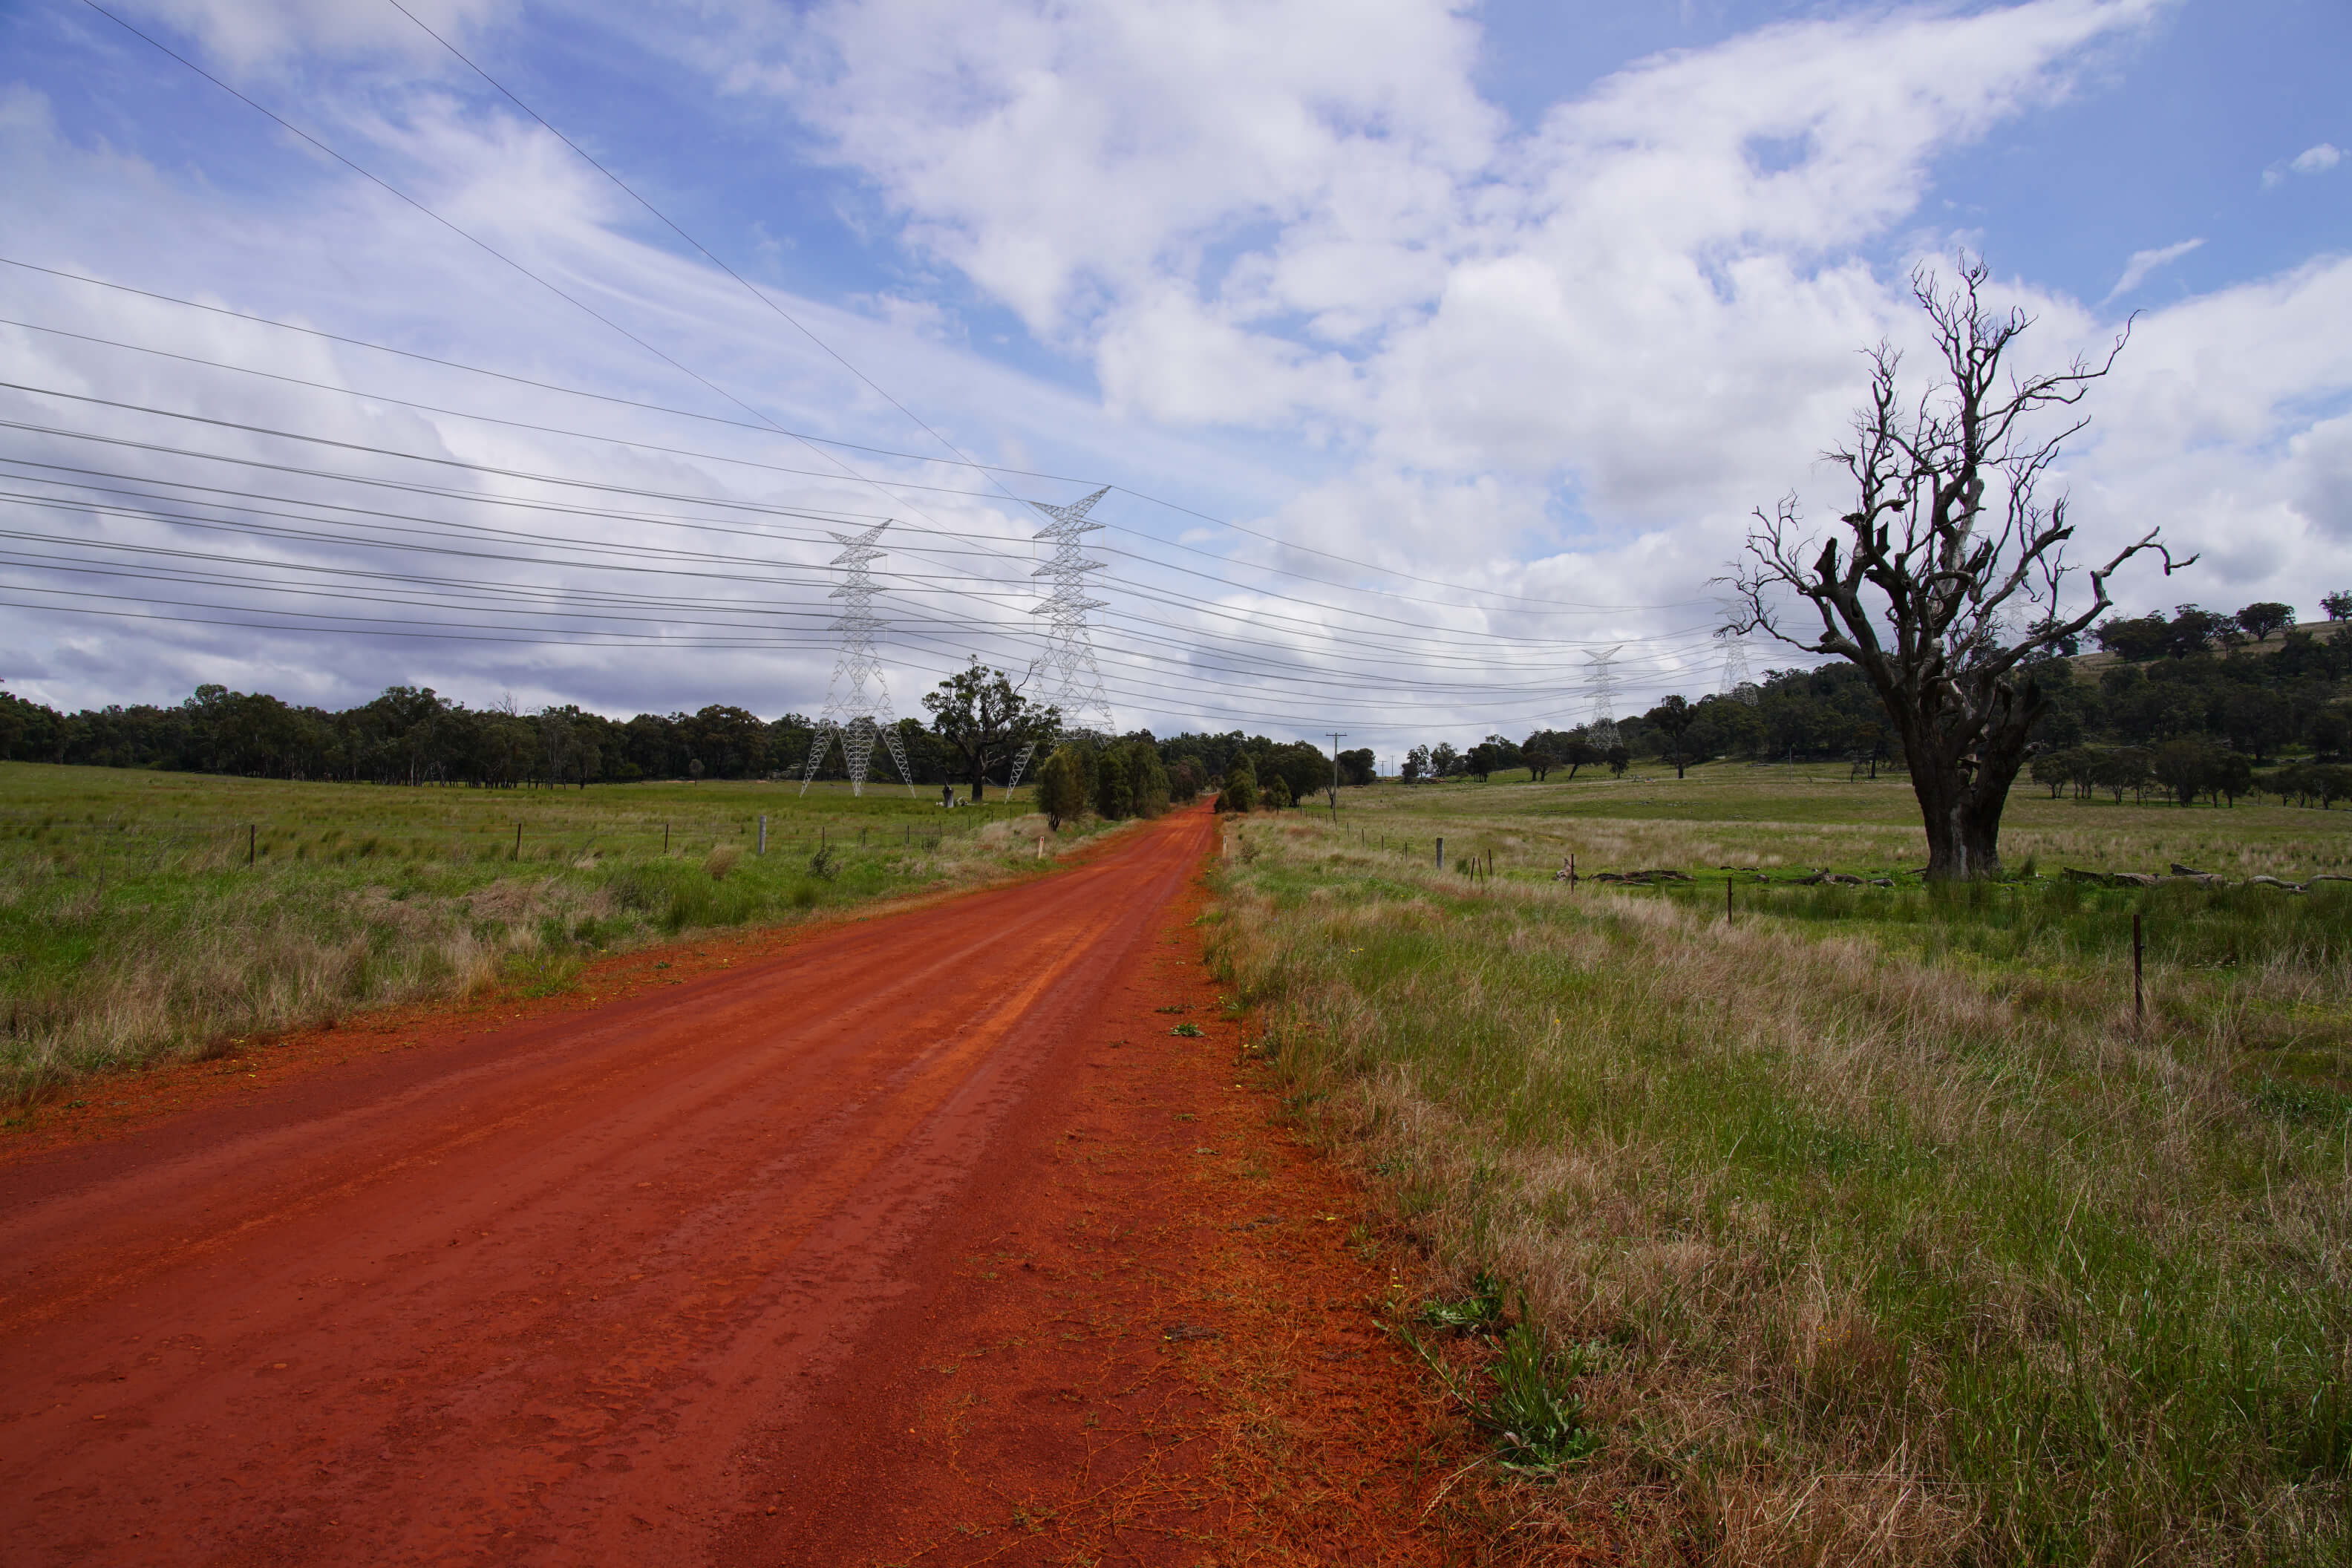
pixel 914 1237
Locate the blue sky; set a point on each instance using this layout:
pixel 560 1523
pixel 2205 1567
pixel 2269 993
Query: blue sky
pixel 1489 325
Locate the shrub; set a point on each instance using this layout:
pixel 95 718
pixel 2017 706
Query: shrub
pixel 1240 792
pixel 1061 788
pixel 1114 798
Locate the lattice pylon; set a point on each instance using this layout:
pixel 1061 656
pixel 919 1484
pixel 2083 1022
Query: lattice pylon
pixel 1737 684
pixel 1600 681
pixel 1065 676
pixel 853 715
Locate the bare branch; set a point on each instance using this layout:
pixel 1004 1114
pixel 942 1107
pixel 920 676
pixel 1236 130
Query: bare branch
pixel 1949 540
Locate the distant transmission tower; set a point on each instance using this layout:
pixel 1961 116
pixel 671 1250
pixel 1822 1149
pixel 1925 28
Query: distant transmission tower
pixel 1737 683
pixel 1065 676
pixel 1601 684
pixel 853 714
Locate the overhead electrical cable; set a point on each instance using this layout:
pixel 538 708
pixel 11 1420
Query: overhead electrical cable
pixel 493 418
pixel 1254 716
pixel 762 428
pixel 1229 561
pixel 530 476
pixel 1317 628
pixel 1184 603
pixel 1543 605
pixel 758 294
pixel 764 297
pixel 489 249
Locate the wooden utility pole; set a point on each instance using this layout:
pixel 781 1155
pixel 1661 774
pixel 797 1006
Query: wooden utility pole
pixel 1335 735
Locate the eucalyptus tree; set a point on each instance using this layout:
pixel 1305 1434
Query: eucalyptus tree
pixel 1944 582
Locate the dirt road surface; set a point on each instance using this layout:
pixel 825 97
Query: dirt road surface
pixel 917 1238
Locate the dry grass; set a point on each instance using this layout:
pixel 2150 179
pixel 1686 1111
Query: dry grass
pixel 1887 1256
pixel 145 915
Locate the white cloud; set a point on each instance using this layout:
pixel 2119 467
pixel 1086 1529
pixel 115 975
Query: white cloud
pixel 2144 262
pixel 1320 286
pixel 2315 159
pixel 247 33
pixel 1060 157
pixel 1630 299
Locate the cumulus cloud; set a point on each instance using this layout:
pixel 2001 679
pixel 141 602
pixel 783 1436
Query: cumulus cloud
pixel 1317 284
pixel 1206 204
pixel 1063 156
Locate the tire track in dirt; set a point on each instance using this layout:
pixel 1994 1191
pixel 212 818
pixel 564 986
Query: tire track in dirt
pixel 670 1280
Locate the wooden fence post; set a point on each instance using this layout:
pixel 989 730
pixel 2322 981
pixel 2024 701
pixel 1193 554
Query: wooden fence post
pixel 2140 1006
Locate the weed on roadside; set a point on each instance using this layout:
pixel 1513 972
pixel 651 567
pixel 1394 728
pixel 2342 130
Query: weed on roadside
pixel 1480 1312
pixel 1529 1410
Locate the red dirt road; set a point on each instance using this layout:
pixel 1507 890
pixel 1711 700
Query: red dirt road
pixel 920 1238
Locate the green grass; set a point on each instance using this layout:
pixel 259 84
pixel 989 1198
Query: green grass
pixel 1780 816
pixel 1904 1241
pixel 149 914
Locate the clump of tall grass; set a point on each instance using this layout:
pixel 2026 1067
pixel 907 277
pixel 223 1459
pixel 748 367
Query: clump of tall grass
pixel 1892 1265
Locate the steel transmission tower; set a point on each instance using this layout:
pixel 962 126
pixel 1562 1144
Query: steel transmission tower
pixel 857 704
pixel 1601 682
pixel 1737 683
pixel 1065 676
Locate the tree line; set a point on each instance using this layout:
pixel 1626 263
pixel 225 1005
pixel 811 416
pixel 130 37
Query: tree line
pixel 2251 687
pixel 410 735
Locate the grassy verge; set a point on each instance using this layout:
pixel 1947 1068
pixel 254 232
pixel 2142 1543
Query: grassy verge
pixel 144 915
pixel 1867 1228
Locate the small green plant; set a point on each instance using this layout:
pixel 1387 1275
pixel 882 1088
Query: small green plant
pixel 1190 1031
pixel 825 864
pixel 1481 1312
pixel 1536 1419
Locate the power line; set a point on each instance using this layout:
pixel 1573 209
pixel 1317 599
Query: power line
pixel 765 428
pixel 1318 630
pixel 1547 606
pixel 771 428
pixel 1201 605
pixel 756 294
pixel 838 357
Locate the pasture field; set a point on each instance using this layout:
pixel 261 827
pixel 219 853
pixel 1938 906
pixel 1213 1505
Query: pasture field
pixel 1870 1226
pixel 145 913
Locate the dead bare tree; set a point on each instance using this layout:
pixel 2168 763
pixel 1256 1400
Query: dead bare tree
pixel 1948 587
